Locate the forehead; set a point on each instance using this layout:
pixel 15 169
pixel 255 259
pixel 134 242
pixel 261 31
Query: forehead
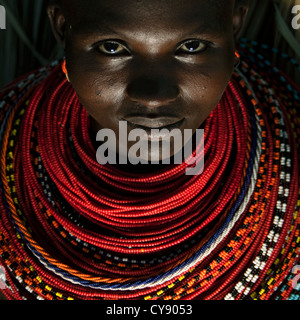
pixel 164 14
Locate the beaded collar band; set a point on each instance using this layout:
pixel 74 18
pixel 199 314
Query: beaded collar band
pixel 73 229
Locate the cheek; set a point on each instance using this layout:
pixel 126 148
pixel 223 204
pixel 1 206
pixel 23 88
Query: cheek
pixel 99 91
pixel 204 87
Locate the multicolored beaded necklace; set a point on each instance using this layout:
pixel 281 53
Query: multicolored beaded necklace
pixel 73 229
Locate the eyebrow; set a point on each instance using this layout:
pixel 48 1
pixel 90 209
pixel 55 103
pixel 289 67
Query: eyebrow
pixel 207 31
pixel 208 28
pixel 87 28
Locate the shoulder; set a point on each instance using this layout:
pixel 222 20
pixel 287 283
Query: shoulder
pixel 16 93
pixel 270 84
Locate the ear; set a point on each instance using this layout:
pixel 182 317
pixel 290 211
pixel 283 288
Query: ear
pixel 58 23
pixel 239 18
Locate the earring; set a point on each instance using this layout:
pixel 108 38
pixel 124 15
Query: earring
pixel 64 69
pixel 237 59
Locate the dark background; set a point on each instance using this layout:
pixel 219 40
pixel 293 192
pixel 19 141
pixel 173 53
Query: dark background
pixel 28 43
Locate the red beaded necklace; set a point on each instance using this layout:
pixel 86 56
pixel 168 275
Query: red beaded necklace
pixel 73 229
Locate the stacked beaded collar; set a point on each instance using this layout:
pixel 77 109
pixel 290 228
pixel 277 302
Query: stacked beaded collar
pixel 72 229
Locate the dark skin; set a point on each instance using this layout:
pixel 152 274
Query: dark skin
pixel 155 64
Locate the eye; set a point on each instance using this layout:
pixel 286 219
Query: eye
pixel 112 48
pixel 192 46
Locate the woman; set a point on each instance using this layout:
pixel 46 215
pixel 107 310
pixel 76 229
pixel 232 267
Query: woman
pixel 72 228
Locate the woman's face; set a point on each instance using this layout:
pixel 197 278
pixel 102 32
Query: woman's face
pixel 154 64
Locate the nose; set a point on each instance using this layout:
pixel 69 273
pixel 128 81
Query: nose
pixel 153 89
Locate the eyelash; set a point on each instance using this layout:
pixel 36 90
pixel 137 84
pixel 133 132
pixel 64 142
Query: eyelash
pixel 112 42
pixel 206 44
pixel 125 51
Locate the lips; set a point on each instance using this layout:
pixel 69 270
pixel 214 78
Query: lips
pixel 148 123
pixel 154 126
